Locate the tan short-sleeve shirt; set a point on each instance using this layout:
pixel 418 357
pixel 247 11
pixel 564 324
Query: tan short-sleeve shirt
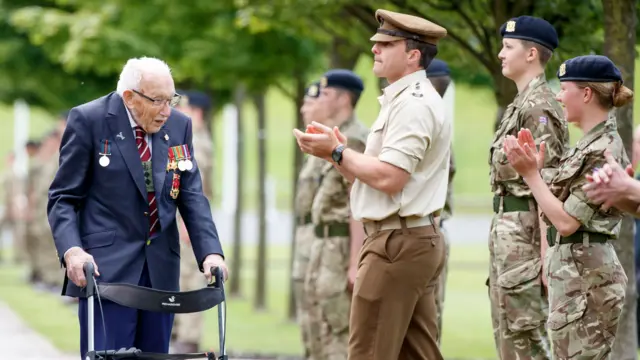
pixel 412 133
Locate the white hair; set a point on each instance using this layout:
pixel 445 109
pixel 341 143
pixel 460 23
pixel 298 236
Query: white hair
pixel 134 70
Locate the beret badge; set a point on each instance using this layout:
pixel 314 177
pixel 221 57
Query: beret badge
pixel 511 26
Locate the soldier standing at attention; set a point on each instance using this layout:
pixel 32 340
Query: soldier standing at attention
pixel 439 74
pixel 187 328
pixel 519 305
pixel 34 171
pixel 587 283
pixel 333 259
pixel 47 261
pixel 399 189
pixel 308 183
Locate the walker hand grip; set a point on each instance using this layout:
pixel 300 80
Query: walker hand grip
pixel 216 275
pixel 89 272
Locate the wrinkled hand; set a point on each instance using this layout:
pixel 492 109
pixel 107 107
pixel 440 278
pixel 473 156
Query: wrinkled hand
pixel 523 158
pixel 75 259
pixel 608 185
pixel 213 261
pixel 319 140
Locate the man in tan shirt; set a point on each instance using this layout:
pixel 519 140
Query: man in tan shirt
pixel 399 188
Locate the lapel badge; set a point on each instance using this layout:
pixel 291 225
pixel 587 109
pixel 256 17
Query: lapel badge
pixel 120 136
pixel 166 137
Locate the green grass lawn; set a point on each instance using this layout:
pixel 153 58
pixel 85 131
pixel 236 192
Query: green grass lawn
pixel 268 331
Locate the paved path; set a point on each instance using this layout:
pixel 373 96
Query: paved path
pixel 19 342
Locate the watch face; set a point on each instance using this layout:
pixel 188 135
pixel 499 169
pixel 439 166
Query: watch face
pixel 337 154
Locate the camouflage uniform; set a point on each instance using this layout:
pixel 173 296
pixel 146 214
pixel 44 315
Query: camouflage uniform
pixel 308 183
pixel 518 306
pixel 187 328
pixel 47 261
pixel 31 227
pixel 587 283
pixel 326 281
pixel 446 214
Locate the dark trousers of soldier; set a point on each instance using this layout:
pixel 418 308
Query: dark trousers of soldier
pixel 393 314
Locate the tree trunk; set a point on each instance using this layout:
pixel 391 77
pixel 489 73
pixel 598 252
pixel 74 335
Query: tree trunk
pixel 344 55
pixel 261 269
pixel 620 21
pixel 236 264
pixel 300 81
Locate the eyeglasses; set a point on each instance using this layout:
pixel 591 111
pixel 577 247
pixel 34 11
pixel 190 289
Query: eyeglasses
pixel 173 102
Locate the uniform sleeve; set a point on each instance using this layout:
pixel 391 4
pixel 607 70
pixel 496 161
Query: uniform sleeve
pixel 577 203
pixel 548 127
pixel 408 135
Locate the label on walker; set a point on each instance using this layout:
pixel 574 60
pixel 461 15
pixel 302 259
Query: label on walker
pixel 170 302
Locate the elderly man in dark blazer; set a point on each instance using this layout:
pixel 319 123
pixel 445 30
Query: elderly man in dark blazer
pixel 126 165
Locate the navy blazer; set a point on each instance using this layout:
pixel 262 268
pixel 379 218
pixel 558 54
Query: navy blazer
pixel 104 210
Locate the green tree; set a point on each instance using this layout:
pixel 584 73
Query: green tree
pixel 473 29
pixel 620 24
pixel 27 72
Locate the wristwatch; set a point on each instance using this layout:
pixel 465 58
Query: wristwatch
pixel 336 155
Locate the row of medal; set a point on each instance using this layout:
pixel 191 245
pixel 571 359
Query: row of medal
pixel 180 159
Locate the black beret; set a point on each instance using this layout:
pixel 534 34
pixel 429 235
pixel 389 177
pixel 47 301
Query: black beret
pixel 195 99
pixel 596 68
pixel 313 90
pixel 342 78
pixel 438 68
pixel 532 29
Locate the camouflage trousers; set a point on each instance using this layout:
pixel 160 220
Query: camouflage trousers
pixel 43 255
pixel 442 283
pixel 587 287
pixel 187 328
pixel 303 240
pixel 519 307
pixel 328 298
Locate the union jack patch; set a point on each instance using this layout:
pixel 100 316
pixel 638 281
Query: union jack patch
pixel 543 119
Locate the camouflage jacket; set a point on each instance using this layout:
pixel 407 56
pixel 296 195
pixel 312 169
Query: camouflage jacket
pixel 536 109
pixel 308 183
pixel 566 181
pixel 41 186
pixel 331 203
pixel 203 151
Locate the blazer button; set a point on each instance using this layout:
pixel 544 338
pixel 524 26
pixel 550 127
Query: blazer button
pixel 146 213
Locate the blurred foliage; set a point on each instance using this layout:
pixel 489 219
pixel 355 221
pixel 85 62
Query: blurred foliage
pixel 80 46
pixel 27 72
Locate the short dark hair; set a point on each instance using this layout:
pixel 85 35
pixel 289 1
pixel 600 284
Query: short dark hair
pixel 427 51
pixel 544 53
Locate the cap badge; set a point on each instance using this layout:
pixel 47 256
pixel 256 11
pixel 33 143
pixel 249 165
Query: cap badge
pixel 562 70
pixel 323 81
pixel 313 90
pixel 511 26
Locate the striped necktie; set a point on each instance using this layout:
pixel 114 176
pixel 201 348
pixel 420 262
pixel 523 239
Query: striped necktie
pixel 145 155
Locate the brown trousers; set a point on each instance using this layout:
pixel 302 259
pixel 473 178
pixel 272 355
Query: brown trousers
pixel 393 313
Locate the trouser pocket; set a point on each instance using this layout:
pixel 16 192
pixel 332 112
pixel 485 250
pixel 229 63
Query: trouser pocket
pixel 521 299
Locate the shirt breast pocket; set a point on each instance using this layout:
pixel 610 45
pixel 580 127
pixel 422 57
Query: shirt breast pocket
pixel 374 140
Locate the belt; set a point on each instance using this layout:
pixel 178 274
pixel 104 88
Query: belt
pixel 396 222
pixel 303 220
pixel 332 229
pixel 576 238
pixel 511 203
